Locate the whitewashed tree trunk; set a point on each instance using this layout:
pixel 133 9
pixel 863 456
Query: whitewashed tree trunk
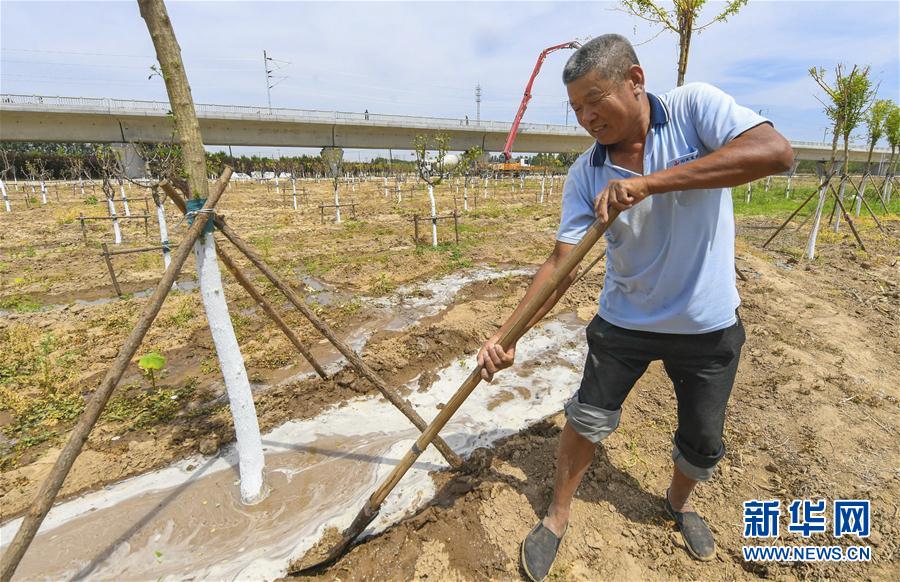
pixel 837 213
pixel 115 221
pixel 234 373
pixel 787 192
pixel 552 183
pixel 466 196
pixel 814 233
pixel 43 192
pixel 433 216
pixel 277 186
pixel 163 235
pixel 860 193
pixel 337 204
pixel 543 181
pixel 768 182
pixel 124 198
pixel 399 193
pixel 749 191
pixel 294 191
pixel 5 196
pixel 81 186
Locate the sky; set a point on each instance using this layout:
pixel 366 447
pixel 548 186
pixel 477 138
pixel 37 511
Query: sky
pixel 425 58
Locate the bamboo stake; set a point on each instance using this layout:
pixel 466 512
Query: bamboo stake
pixel 52 484
pixel 847 218
pixel 361 367
pixel 513 334
pixel 589 267
pixel 789 218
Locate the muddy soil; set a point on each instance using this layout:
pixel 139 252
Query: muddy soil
pixel 62 325
pixel 814 411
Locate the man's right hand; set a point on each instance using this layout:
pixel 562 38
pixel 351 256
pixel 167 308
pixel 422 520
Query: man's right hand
pixel 492 358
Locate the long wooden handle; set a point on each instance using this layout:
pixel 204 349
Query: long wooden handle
pixel 512 335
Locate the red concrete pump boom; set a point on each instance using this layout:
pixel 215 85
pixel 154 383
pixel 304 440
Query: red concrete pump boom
pixel 524 105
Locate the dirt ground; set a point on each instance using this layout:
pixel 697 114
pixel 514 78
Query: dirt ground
pixel 813 414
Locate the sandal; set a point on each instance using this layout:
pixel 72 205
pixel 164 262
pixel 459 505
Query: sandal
pixel 698 539
pixel 539 552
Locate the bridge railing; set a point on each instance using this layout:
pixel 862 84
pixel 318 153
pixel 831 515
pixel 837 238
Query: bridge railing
pixel 141 107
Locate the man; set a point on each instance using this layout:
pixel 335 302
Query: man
pixel 667 163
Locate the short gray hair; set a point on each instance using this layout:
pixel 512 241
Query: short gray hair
pixel 611 55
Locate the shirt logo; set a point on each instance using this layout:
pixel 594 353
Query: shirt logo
pixel 683 159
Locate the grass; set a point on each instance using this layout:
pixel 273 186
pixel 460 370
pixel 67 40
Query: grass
pixel 136 409
pixel 774 203
pixel 21 304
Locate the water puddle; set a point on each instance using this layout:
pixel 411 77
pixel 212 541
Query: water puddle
pixel 407 306
pixel 186 521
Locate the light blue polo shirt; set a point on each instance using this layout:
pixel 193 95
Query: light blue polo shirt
pixel 670 258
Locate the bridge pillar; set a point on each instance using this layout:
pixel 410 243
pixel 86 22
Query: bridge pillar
pixel 134 163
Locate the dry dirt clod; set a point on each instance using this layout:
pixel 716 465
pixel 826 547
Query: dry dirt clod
pixel 209 446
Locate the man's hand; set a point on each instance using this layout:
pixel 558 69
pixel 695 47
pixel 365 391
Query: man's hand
pixel 492 358
pixel 621 195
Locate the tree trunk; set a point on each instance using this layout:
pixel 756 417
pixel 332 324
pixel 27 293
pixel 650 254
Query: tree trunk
pixel 124 198
pixel 5 196
pixel 337 203
pixel 434 242
pixel 684 47
pixel 231 363
pixel 814 233
pixel 117 232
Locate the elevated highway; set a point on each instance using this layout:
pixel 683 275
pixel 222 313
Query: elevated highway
pixel 98 120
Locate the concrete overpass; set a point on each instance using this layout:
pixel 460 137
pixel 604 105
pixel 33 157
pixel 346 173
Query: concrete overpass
pixel 98 120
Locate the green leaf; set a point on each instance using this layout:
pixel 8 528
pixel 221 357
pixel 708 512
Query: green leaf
pixel 152 361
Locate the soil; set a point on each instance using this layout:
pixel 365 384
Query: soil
pixel 814 411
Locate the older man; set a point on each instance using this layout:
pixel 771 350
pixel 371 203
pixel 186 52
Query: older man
pixel 667 163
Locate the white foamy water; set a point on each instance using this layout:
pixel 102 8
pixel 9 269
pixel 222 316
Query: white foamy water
pixel 186 521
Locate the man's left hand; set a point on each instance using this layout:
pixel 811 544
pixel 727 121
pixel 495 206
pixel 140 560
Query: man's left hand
pixel 621 195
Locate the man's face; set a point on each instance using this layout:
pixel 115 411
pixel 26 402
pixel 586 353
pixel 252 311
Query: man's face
pixel 609 110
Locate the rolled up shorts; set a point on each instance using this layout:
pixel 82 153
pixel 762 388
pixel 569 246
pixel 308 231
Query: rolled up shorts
pixel 702 368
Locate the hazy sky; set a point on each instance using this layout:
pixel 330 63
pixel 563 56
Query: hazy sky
pixel 425 58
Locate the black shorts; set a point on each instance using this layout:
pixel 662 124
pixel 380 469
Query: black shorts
pixel 702 368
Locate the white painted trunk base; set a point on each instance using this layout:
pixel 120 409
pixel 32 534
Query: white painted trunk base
pixel 117 232
pixel 124 199
pixel 5 196
pixel 434 242
pixel 231 363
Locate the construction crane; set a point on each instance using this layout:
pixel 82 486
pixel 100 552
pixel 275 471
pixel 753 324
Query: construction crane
pixel 524 105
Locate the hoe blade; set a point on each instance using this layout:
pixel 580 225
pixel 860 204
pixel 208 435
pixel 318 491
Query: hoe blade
pixel 366 515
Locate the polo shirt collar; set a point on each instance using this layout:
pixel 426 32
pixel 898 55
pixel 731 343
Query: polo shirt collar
pixel 659 116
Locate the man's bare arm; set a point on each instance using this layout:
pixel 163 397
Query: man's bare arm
pixel 492 356
pixel 758 152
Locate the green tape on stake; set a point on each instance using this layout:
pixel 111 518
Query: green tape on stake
pixel 194 205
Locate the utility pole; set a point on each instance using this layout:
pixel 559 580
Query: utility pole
pixel 268 76
pixel 478 102
pixel 272 65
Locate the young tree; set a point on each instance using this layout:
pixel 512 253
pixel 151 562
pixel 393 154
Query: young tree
pixel 892 132
pixel 875 130
pixel 846 102
pixel 849 99
pixel 5 168
pixel 231 362
pixel 107 168
pixel 333 159
pixel 468 167
pixel 682 20
pixel 433 171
